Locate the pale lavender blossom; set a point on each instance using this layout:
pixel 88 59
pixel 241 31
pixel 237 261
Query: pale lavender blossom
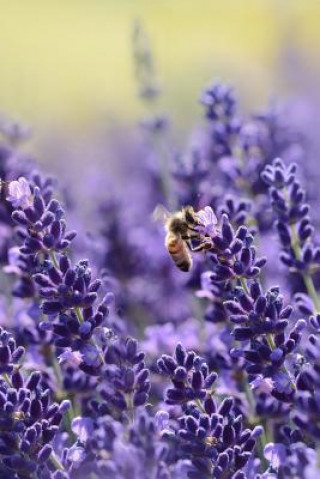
pixel 76 455
pixel 82 427
pixel 275 453
pixel 73 358
pixel 206 286
pixel 208 221
pixel 19 193
pixel 282 382
pixel 162 420
pixel 262 384
pixel 13 261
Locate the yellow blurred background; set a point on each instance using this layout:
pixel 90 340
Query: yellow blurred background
pixel 69 62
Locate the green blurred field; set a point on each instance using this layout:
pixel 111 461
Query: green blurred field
pixel 69 61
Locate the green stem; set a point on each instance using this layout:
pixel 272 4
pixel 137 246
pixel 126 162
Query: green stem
pixel 263 440
pixel 308 281
pixel 56 368
pixel 57 371
pixel 244 284
pixel 79 315
pixel 200 406
pixel 130 407
pixel 55 461
pixel 69 418
pixel 249 394
pixel 307 278
pixel 7 379
pixel 53 259
pixel 164 170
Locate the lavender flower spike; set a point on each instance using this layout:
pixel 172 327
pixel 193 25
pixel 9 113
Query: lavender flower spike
pixel 29 421
pixel 209 434
pixel 299 251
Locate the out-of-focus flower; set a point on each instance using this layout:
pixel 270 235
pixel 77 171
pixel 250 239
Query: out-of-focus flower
pixel 162 420
pixel 13 261
pixel 275 454
pixel 82 427
pixel 73 358
pixel 262 384
pixel 29 420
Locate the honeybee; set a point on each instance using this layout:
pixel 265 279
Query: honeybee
pixel 181 229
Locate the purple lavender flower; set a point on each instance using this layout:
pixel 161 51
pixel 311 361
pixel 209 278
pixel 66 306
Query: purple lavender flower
pixel 275 454
pixel 208 221
pixel 19 193
pixel 126 383
pixel 29 421
pixel 243 402
pixel 299 251
pixel 211 436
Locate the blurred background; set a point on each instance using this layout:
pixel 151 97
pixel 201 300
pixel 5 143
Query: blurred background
pixel 69 63
pixel 67 68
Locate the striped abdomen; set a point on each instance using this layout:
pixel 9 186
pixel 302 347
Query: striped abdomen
pixel 179 252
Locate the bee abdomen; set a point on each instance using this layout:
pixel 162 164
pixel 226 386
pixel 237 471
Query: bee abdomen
pixel 183 264
pixel 179 253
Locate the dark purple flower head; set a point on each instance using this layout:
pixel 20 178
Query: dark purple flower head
pixel 288 201
pixel 211 435
pixel 29 421
pixel 189 374
pixel 219 102
pixel 125 378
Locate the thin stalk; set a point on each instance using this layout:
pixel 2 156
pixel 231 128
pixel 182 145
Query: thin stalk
pixel 164 171
pixel 79 315
pixel 308 281
pixel 200 406
pixel 263 440
pixel 130 407
pixel 55 462
pixel 7 379
pixel 307 278
pixel 56 368
pixel 57 371
pixel 269 336
pixel 53 259
pixel 244 284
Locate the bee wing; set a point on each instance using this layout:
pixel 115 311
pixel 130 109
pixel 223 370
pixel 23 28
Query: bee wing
pixel 161 214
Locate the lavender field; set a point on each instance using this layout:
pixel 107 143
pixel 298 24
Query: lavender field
pixel 160 287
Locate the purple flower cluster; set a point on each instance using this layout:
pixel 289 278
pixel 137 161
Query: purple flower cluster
pixel 212 437
pixel 29 419
pixel 123 365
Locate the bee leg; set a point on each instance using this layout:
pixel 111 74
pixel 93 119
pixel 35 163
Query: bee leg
pixel 193 229
pixel 202 247
pixel 188 243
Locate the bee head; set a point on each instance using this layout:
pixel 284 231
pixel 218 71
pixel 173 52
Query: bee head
pixel 189 215
pixel 178 225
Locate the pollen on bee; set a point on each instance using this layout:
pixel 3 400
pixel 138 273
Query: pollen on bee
pixel 211 441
